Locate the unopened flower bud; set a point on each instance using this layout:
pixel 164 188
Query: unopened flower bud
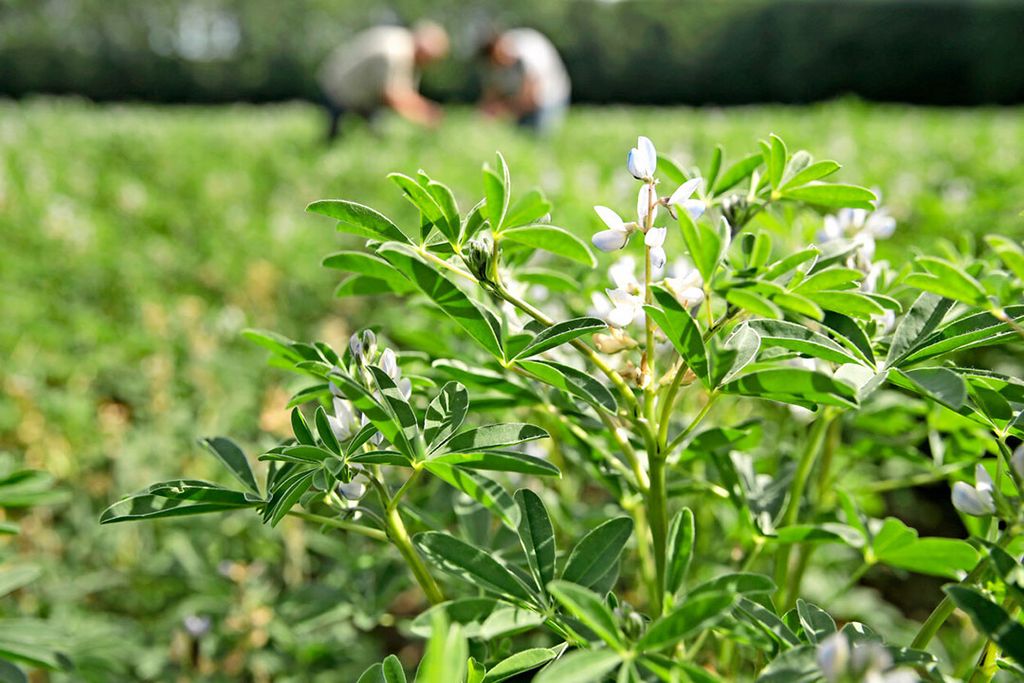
pixel 478 256
pixel 617 341
pixel 735 209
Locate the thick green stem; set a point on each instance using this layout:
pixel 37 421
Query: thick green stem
pixel 657 509
pixel 399 537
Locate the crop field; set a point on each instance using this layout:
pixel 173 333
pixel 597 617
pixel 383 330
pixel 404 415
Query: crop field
pixel 137 242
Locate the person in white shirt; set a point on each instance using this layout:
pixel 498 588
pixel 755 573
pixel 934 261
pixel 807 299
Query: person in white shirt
pixel 524 78
pixel 378 69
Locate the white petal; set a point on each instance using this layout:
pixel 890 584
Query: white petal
pixel 405 387
pixel 620 316
pixel 623 273
pixel 982 481
pixel 633 164
pixel 610 240
pixel 685 191
pixel 1017 460
pixel 646 201
pixel 599 304
pixel 692 295
pixel 648 155
pixel 694 207
pixel 970 501
pixel 621 298
pixel 657 258
pixel 389 364
pixel 610 218
pixel 833 657
pixel 655 237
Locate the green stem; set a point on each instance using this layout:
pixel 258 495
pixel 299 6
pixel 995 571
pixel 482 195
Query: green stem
pixel 675 443
pixel 850 583
pixel 669 403
pixel 987 664
pixel 657 508
pixel 375 534
pixel 791 512
pixel 399 537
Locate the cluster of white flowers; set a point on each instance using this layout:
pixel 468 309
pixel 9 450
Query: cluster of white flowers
pixel 861 227
pixel 623 304
pixel 869 662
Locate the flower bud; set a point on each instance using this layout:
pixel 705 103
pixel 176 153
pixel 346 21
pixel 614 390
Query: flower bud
pixel 478 256
pixel 363 347
pixel 975 500
pixel 735 209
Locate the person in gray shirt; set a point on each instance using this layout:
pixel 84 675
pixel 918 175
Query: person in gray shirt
pixel 378 69
pixel 524 78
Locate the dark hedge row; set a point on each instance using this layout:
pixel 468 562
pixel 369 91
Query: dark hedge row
pixel 924 51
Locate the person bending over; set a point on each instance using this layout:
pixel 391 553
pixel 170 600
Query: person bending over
pixel 378 69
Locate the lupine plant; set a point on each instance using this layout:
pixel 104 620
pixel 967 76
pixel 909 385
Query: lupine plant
pixel 687 441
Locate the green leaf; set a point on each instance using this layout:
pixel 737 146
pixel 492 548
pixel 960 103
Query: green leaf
pixel 530 208
pixel 788 263
pixel 487 492
pixel 580 666
pixel 991 619
pixel 798 338
pixel 472 564
pixel 1011 253
pixel 323 429
pixel 817 623
pixel 445 414
pixel 392 670
pixel 228 452
pixel 669 171
pixel 681 329
pixel 693 615
pixel 777 160
pixel 597 551
pixel 158 507
pixel 493 436
pixel 940 384
pixel 553 280
pixel 444 660
pixel 705 244
pixel 369 265
pixel 301 430
pixel 589 608
pixel 13 577
pixel 851 335
pixel 739 583
pixel 374 674
pixel 483 618
pixel 423 200
pixel 451 224
pixel 794 385
pixel 536 535
pixel 969 332
pixel 358 219
pixel 920 321
pixel 829 278
pixel 560 333
pixel 480 326
pixel 500 461
pixel 815 171
pixel 832 195
pixel 396 404
pixel 681 534
pixel 572 381
pixel 798 303
pixel 897 545
pixel 10 673
pixel 497 190
pixel 738 350
pixel 287 495
pixel 519 663
pixel 551 238
pixel 947 279
pixel 767 621
pixel 736 173
pixel 753 302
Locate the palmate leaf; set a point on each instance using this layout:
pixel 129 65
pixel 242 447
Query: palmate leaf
pixel 817 623
pixel 479 324
pixel 558 241
pixel 472 564
pixel 537 536
pixel 358 219
pixel 600 549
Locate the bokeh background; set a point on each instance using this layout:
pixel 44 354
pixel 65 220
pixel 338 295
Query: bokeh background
pixel 155 159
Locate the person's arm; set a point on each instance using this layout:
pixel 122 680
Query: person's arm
pixel 412 106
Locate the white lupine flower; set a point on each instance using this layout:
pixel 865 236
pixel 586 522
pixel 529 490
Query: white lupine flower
pixel 685 283
pixel 833 655
pixel 623 274
pixel 625 308
pixel 363 346
pixel 642 160
pixel 683 198
pixel 351 491
pixel 1017 460
pixel 655 239
pixel 647 205
pixel 343 422
pixel 975 500
pixel 617 234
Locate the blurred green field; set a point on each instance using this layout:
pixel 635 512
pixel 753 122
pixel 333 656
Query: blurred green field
pixel 137 242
